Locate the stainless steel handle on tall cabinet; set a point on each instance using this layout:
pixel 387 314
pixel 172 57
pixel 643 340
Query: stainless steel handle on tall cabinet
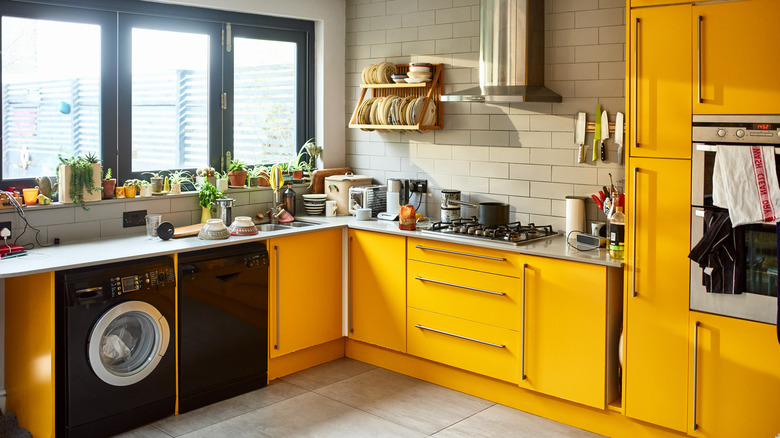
pixel 465 338
pixel 498 259
pixel 698 56
pixel 349 285
pixel 695 369
pixel 635 114
pixel 522 330
pixel 276 250
pixel 459 286
pixel 633 235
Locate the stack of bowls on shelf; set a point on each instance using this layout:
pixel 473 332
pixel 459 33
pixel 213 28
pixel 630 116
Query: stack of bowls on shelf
pixel 399 78
pixel 419 72
pixel 314 203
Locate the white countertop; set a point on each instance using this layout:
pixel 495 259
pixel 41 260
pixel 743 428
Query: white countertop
pixel 96 252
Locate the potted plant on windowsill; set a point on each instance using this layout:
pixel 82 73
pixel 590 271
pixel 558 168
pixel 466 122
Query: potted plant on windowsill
pixel 205 174
pixel 79 179
pixel 314 152
pixel 176 178
pixel 207 197
pixel 237 173
pixel 223 181
pixel 132 186
pixel 156 181
pixel 109 184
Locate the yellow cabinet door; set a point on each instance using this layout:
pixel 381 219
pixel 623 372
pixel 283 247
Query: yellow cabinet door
pixel 734 378
pixel 641 3
pixel 565 331
pixel 658 242
pixel 305 292
pixel 734 48
pixel 659 110
pixel 377 289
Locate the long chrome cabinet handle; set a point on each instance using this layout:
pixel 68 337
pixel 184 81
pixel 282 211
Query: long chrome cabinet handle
pixel 422 327
pixel 633 236
pixel 459 286
pixel 349 285
pixel 698 55
pixel 695 370
pixel 498 259
pixel 635 114
pixel 522 330
pixel 276 250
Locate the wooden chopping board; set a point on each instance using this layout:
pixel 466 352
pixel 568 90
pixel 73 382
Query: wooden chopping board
pixel 319 175
pixel 187 231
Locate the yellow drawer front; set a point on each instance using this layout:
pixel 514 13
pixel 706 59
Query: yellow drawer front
pixel 476 296
pixel 472 352
pixel 464 256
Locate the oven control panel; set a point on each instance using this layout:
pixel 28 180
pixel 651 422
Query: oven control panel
pixel 737 129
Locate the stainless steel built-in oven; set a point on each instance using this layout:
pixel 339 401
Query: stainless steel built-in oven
pixel 755 265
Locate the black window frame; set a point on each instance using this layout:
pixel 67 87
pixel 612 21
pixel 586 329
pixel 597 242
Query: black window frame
pixel 117 16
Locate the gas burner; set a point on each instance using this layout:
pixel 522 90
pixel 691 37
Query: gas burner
pixel 513 233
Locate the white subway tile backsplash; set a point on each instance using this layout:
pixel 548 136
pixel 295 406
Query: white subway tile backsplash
pixel 386 50
pixel 571 72
pixel 434 4
pixel 509 187
pixel 530 139
pixel 600 88
pixel 465 29
pixel 453 45
pixel 471 121
pixel 575 175
pixel 358 161
pixel 414 48
pixel 530 172
pixel 531 205
pixel 612 70
pixel 558 21
pixel 490 138
pixel 370 37
pixel 438 31
pixel 573 5
pixel 471 153
pixel 443 152
pixel 422 18
pixel 370 10
pixel 401 149
pixel 508 155
pixel 552 122
pixel 489 169
pixel 600 17
pixel 551 190
pixel 612 34
pixel 561 157
pixel 452 167
pixel 402 35
pixel 359 24
pixel 574 37
pixel 401 6
pixel 599 53
pixel 386 163
pixel 472 184
pixel 453 15
pixel 490 108
pixel 386 22
pixel 453 136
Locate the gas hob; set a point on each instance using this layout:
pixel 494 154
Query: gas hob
pixel 513 233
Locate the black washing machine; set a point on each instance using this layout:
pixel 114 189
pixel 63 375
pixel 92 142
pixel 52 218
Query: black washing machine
pixel 115 355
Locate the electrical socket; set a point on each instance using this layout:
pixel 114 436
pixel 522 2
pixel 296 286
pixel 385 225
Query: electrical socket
pixel 133 218
pixel 418 185
pixel 8 225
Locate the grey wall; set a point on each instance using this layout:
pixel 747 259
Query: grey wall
pixel 523 154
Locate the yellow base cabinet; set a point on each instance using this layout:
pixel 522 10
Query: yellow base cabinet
pixel 733 48
pixel 565 334
pixel 734 378
pixel 658 242
pixel 659 69
pixel 304 293
pixel 377 289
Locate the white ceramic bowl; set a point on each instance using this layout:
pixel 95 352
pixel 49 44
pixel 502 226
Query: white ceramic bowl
pixel 314 196
pixel 420 74
pixel 214 230
pixel 242 226
pixel 419 68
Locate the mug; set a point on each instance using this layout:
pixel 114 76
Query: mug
pixel 330 208
pixel 120 191
pixel 363 214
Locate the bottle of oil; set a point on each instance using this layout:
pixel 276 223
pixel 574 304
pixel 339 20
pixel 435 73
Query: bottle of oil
pixel 617 226
pixel 289 200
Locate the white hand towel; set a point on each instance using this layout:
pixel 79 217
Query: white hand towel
pixel 744 181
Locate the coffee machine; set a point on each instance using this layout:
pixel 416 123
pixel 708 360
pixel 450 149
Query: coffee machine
pixel 398 192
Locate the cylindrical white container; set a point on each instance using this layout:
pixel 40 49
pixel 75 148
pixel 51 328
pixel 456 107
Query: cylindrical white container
pixel 393 202
pixel 575 214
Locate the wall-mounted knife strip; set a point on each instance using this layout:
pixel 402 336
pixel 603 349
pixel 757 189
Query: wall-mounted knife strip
pixel 590 127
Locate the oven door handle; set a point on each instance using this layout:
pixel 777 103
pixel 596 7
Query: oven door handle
pixel 701 147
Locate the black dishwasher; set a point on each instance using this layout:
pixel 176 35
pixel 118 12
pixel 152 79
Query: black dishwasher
pixel 223 323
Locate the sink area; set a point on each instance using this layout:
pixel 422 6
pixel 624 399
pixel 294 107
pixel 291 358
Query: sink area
pixel 285 226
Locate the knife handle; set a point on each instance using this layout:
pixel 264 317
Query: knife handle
pixel 603 151
pixel 581 154
pixel 595 149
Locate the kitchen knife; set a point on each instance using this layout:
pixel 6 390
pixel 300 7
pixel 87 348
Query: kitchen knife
pixel 604 134
pixel 597 131
pixel 579 136
pixel 619 136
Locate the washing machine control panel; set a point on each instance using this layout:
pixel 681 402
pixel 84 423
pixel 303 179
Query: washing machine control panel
pixel 146 280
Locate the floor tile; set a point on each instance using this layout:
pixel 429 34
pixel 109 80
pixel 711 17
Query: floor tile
pixel 181 424
pixel 328 373
pixel 147 431
pixel 404 400
pixel 307 415
pixel 501 421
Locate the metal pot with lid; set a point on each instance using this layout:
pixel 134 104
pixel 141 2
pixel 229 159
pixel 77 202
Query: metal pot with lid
pixel 489 213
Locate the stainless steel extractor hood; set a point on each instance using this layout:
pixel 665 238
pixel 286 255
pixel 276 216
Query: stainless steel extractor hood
pixel 511 54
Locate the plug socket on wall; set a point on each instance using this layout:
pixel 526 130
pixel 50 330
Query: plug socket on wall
pixel 418 185
pixel 135 218
pixel 7 225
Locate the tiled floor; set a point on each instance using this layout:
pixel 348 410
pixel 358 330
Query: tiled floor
pixel 348 398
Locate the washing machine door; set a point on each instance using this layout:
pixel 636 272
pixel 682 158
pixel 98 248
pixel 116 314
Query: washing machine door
pixel 127 343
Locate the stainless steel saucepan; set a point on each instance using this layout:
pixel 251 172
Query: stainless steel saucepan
pixel 489 213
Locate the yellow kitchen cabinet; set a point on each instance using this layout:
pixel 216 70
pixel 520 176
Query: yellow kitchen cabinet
pixel 377 289
pixel 735 64
pixel 642 3
pixel 658 242
pixel 734 378
pixel 305 291
pixel 480 348
pixel 565 329
pixel 463 256
pixel 659 73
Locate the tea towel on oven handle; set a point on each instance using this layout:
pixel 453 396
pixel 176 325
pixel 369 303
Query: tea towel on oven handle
pixel 744 180
pixel 716 253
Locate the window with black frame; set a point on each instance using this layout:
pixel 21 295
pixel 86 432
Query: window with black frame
pixel 149 87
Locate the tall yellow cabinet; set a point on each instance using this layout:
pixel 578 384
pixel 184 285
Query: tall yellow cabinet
pixel 658 214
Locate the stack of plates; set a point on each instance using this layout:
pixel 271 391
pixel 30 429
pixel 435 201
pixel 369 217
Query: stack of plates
pixel 314 203
pixel 378 73
pixel 395 110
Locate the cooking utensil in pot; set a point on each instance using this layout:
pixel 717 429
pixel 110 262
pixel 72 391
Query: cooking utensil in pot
pixel 489 213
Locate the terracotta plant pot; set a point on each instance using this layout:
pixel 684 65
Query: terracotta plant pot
pixel 237 178
pixel 109 185
pixel 262 180
pixel 297 174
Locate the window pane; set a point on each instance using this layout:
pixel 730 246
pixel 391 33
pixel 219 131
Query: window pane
pixel 170 90
pixel 51 94
pixel 264 112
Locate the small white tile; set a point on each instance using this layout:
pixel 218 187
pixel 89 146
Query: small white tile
pixel 489 169
pixel 358 24
pixel 471 153
pixel 531 205
pixel 600 88
pixel 452 167
pixel 575 37
pixel 509 154
pixel 574 5
pixel 453 45
pixel 551 190
pixel 386 50
pixel 597 53
pixel 552 122
pixel 471 121
pixel 401 6
pixel 453 15
pixel 421 18
pixel 370 10
pixel 435 32
pixel 530 139
pixel 414 48
pixel 530 172
pixel 509 187
pixel 370 37
pixel 453 137
pixel 600 17
pixel 562 157
pixel 465 29
pixel 490 138
pixel 443 152
pixel 575 175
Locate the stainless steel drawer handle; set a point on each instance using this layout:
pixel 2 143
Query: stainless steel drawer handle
pixel 459 336
pixel 459 286
pixel 695 371
pixel 499 259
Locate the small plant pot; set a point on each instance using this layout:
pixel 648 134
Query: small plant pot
pixel 237 178
pixel 109 185
pixel 222 184
pixel 157 184
pixel 262 180
pixel 297 174
pixel 130 191
pixel 175 188
pixel 146 191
